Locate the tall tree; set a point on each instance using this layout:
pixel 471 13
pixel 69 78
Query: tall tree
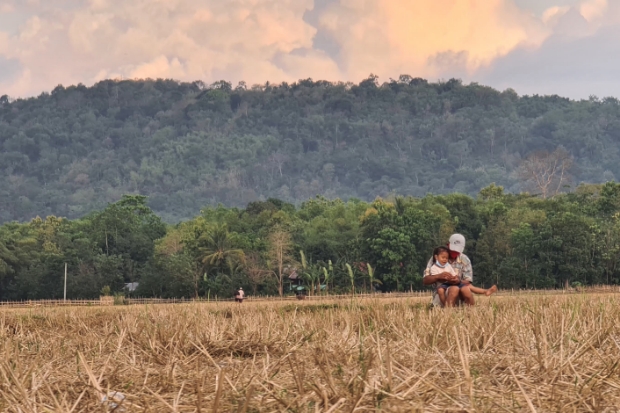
pixel 546 172
pixel 256 270
pixel 280 250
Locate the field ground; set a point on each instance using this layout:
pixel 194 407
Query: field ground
pixel 526 353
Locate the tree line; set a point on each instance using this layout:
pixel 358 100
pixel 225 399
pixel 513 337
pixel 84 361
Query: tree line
pixel 323 246
pixel 185 145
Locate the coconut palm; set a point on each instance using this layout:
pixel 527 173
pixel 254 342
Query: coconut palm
pixel 218 250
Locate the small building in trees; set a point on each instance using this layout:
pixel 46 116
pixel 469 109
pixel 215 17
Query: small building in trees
pixel 295 282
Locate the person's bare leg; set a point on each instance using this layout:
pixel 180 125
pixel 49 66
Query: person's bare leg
pixel 467 295
pixel 483 291
pixel 451 296
pixel 491 290
pixel 442 296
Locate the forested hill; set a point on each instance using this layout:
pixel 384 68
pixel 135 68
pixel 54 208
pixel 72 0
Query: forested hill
pixel 186 145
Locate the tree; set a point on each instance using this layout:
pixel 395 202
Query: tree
pixel 218 249
pixel 280 248
pixel 397 239
pixel 255 270
pixel 71 152
pixel 127 230
pixel 546 172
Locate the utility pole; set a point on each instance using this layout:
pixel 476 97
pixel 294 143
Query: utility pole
pixel 65 296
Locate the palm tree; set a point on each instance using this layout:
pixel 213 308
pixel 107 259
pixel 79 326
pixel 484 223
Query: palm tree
pixel 400 203
pixel 218 249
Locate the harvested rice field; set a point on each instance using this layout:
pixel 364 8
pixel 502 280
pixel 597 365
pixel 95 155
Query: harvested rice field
pixel 512 354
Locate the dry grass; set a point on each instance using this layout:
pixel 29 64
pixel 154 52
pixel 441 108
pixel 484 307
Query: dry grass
pixel 556 353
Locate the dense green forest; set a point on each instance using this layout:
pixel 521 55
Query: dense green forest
pixel 516 241
pixel 187 145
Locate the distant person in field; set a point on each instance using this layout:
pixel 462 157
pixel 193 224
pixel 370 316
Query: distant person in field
pixel 451 273
pixel 239 295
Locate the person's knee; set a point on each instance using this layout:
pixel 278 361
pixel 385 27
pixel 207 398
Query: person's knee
pixel 467 295
pixel 466 291
pixel 453 292
pixel 452 295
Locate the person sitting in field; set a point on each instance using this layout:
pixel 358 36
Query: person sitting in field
pixel 455 285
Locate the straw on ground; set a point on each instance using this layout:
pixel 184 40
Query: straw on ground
pixel 555 353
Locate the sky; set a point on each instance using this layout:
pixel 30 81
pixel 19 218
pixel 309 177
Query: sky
pixel 565 47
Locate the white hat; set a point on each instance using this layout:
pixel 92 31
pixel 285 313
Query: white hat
pixel 457 243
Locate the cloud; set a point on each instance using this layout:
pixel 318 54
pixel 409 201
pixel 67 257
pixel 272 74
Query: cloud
pixel 553 14
pixel 580 59
pixel 185 39
pixel 593 9
pixel 416 36
pixel 73 41
pixel 5 7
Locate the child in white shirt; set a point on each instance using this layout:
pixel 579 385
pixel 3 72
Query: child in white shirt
pixel 441 256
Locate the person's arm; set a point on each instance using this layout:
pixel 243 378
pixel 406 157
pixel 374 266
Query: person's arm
pixel 467 274
pixel 444 277
pixel 427 278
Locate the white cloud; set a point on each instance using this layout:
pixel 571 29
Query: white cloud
pixel 552 14
pixel 72 41
pixel 185 39
pixel 593 9
pixel 160 67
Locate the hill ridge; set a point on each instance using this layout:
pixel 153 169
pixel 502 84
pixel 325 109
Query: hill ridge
pixel 187 145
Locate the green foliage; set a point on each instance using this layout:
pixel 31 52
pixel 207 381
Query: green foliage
pixel 515 241
pixel 187 145
pixel 396 237
pixel 319 161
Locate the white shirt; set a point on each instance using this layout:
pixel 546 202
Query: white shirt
pixel 436 269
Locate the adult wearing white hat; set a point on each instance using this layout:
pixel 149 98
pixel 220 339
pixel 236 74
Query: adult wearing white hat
pixel 239 295
pixel 460 285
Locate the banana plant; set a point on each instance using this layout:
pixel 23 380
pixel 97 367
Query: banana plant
pixel 352 277
pixel 328 274
pixel 371 278
pixel 309 274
